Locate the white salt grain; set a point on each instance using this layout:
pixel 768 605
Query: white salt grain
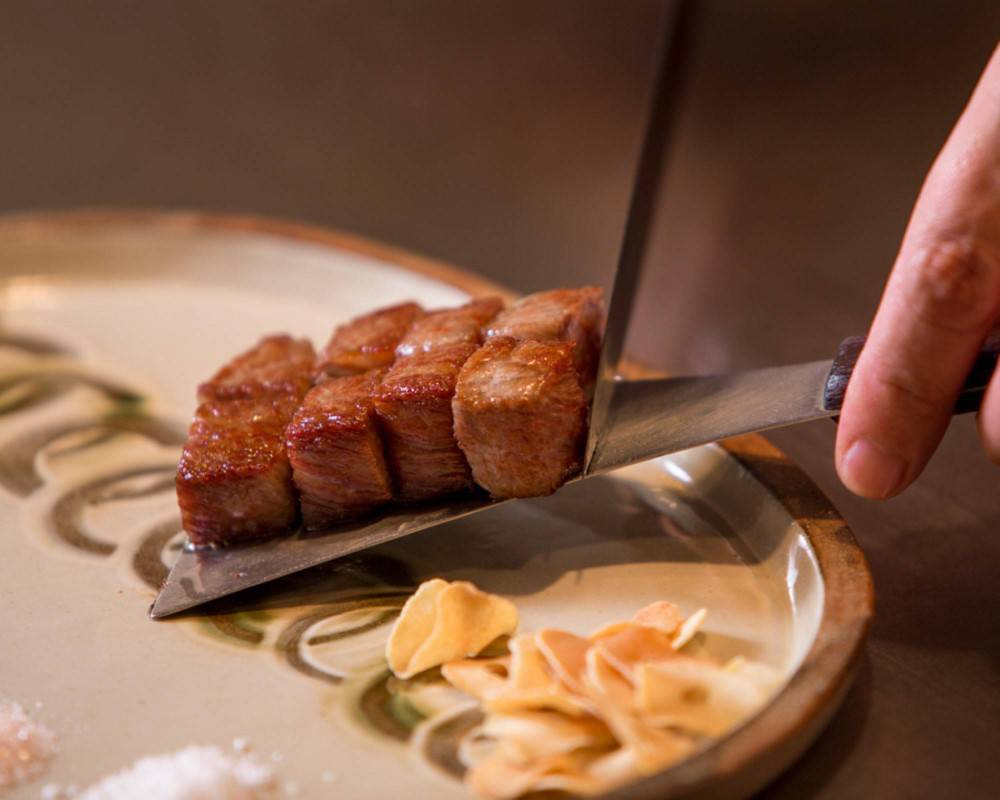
pixel 25 746
pixel 193 773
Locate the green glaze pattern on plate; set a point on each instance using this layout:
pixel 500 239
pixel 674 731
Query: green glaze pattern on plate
pixel 104 332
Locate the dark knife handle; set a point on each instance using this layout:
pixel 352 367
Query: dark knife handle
pixel 972 390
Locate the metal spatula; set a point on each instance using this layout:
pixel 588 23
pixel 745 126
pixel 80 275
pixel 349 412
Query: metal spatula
pixel 631 421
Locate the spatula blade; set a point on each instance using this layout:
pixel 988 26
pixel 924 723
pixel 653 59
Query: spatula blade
pixel 199 576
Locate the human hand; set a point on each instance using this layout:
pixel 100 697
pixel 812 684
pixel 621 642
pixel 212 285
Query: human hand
pixel 941 300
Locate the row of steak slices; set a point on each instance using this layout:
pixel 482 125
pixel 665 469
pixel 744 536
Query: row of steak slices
pixel 402 405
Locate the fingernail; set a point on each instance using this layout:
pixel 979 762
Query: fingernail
pixel 870 471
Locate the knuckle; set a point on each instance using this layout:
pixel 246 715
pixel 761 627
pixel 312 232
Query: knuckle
pixel 957 286
pixel 919 399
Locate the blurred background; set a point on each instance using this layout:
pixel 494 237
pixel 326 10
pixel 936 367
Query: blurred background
pixel 502 136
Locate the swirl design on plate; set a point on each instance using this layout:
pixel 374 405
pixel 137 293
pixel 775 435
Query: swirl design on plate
pixel 91 462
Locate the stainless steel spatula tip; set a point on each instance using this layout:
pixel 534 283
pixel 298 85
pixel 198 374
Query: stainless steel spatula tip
pixel 199 576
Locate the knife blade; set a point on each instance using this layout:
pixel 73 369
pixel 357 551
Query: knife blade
pixel 639 219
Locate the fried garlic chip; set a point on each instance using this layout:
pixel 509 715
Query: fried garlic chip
pixel 531 685
pixel 597 775
pixel 584 772
pixel 661 614
pixel 570 713
pixel 697 695
pixel 632 644
pixel 533 735
pixel 613 696
pixel 478 677
pixel 664 617
pixel 566 654
pixel 502 776
pixel 443 622
pixel 687 629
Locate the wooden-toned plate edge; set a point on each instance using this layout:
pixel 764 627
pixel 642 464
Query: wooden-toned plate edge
pixel 748 759
pixel 34 224
pixel 756 753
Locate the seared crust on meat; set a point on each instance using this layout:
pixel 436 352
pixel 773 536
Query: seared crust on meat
pixel 413 403
pixel 369 341
pixel 521 416
pixel 234 481
pixel 336 451
pixel 561 315
pixel 406 405
pixel 462 325
pixel 276 365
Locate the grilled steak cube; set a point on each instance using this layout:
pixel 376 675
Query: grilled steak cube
pixel 368 342
pixel 336 451
pixel 234 481
pixel 521 416
pixel 462 325
pixel 413 403
pixel 276 365
pixel 561 315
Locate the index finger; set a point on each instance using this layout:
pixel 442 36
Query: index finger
pixel 942 298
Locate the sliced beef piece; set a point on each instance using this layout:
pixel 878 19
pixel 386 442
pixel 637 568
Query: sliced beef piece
pixel 462 325
pixel 276 365
pixel 234 481
pixel 413 403
pixel 368 342
pixel 521 416
pixel 336 451
pixel 560 315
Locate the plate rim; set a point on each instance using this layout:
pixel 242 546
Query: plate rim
pixel 30 224
pixel 756 753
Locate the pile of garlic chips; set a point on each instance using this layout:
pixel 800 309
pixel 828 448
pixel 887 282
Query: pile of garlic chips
pixel 572 713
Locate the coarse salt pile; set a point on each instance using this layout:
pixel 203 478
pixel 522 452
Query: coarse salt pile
pixel 25 746
pixel 192 773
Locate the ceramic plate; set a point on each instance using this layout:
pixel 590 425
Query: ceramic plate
pixel 109 322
